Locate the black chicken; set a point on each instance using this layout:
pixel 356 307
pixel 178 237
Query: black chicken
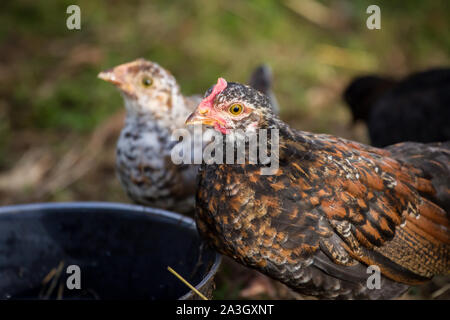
pixel 416 108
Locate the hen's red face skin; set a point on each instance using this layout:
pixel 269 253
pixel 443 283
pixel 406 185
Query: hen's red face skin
pixel 223 111
pixel 206 113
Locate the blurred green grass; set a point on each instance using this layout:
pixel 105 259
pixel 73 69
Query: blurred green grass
pixel 44 88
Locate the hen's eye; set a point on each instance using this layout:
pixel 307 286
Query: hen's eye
pixel 147 82
pixel 236 109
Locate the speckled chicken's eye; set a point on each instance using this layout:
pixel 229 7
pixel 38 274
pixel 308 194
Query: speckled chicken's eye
pixel 236 109
pixel 147 82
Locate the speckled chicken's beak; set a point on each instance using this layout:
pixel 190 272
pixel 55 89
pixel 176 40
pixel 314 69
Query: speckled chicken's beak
pixel 115 76
pixel 109 76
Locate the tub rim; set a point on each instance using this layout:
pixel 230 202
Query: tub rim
pixel 127 209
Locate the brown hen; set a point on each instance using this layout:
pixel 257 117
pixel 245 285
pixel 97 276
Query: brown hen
pixel 333 207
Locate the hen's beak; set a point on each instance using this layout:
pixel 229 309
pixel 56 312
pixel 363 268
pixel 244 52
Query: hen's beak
pixel 197 117
pixel 204 116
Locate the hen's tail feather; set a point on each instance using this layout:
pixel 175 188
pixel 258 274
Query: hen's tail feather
pixel 261 79
pixel 425 236
pixel 436 214
pixel 434 161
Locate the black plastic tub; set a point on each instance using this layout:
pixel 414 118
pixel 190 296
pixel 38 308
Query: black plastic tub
pixel 122 252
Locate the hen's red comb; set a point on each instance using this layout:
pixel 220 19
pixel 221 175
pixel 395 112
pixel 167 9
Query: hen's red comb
pixel 218 88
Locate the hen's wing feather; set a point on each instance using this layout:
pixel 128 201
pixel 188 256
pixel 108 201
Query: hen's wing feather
pixel 373 203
